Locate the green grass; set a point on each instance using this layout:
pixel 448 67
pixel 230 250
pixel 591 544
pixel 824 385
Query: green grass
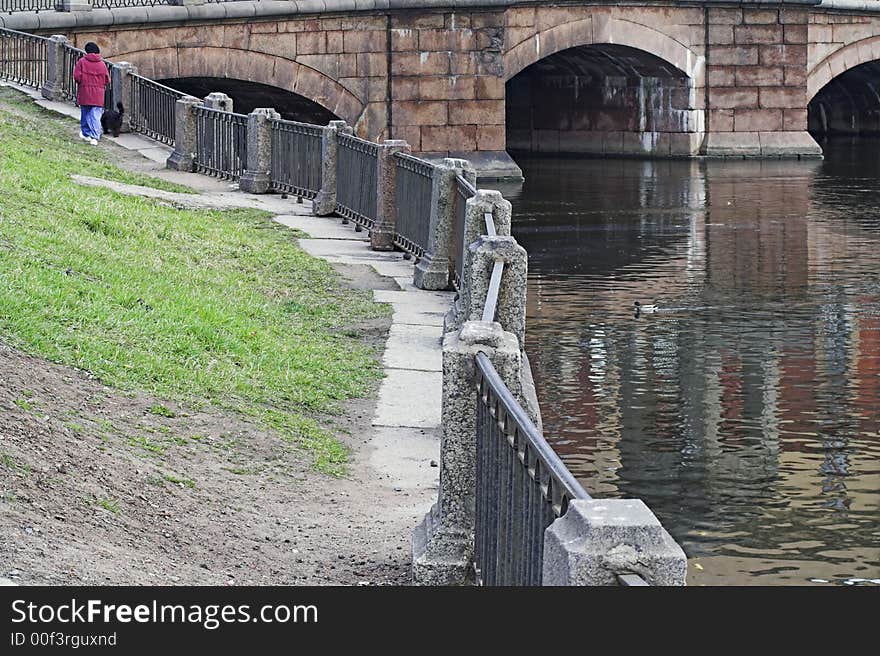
pixel 185 482
pixel 24 404
pixel 147 445
pixel 109 504
pixel 32 130
pixel 160 410
pixel 198 307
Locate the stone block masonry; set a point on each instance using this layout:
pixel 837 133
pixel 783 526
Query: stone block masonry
pixel 439 76
pixel 755 97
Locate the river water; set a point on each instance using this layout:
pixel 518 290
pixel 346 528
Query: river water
pixel 745 410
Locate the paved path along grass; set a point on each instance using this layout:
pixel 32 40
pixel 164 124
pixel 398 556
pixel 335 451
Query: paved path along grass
pixel 391 481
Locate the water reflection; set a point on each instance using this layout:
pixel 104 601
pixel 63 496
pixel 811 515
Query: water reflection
pixel 744 410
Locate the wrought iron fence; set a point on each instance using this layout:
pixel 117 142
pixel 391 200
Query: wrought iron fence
pixel 117 4
pixel 12 6
pixel 415 181
pixel 152 110
pixel 522 486
pixel 23 58
pixel 70 56
pixel 462 192
pixel 296 157
pixel 221 143
pixel 356 180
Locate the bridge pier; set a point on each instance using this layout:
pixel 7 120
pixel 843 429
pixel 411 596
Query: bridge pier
pixel 756 73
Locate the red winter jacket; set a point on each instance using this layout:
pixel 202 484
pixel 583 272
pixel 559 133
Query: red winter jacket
pixel 91 74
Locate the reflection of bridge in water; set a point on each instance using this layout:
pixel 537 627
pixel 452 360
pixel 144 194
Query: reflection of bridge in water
pixel 650 78
pixel 747 404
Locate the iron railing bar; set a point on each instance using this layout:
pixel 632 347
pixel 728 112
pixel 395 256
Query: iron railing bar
pixel 631 580
pixel 491 306
pixel 530 432
pixel 158 85
pixel 490 225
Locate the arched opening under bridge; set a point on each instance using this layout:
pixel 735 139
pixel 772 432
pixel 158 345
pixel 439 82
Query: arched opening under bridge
pixel 247 96
pixel 848 104
pixel 603 99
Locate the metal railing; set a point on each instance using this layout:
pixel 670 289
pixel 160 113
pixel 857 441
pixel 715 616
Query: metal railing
pixel 296 157
pixel 415 181
pixel 221 143
pixel 23 58
pixel 117 4
pixel 12 6
pixel 358 162
pixel 522 486
pixel 462 192
pixel 70 56
pixel 153 109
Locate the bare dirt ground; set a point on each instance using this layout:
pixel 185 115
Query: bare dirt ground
pixel 95 488
pixel 102 487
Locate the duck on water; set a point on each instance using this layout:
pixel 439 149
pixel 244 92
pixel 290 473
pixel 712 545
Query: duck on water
pixel 643 309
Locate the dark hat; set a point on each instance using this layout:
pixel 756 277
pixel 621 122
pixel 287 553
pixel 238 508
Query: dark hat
pixel 92 48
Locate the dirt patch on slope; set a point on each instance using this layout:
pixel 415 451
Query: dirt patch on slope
pixel 102 487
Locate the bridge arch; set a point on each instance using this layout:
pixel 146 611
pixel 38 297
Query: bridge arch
pixel 840 61
pixel 603 86
pixel 842 90
pixel 271 70
pixel 594 31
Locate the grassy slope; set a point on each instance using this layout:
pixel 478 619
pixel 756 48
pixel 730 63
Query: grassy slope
pixel 198 306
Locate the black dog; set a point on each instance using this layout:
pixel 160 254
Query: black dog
pixel 111 120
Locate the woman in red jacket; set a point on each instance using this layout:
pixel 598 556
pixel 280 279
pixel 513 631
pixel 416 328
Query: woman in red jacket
pixel 91 76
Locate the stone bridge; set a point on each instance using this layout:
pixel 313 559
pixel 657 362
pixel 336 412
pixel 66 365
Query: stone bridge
pixel 479 78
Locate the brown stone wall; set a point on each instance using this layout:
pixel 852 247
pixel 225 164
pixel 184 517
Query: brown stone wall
pixel 338 62
pixel 446 86
pixel 674 33
pixel 756 65
pixel 448 68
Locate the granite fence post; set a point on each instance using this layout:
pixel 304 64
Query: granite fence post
pixel 325 201
pixel 219 101
pixel 443 544
pixel 511 308
pixel 184 156
pixel 120 78
pixel 486 202
pixel 433 268
pixel 385 226
pixel 598 539
pixel 53 87
pixel 257 177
